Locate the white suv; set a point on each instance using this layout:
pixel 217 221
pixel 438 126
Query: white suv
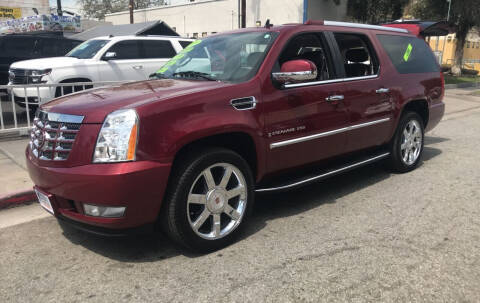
pixel 96 60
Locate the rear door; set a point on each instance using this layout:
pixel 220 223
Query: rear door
pixel 366 96
pixel 301 125
pixel 155 53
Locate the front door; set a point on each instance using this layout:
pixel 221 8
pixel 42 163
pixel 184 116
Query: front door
pixel 126 65
pixel 301 126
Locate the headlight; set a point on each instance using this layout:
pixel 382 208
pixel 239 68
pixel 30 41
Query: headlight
pixel 117 140
pixel 36 75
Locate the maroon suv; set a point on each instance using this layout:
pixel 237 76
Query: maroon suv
pixel 253 110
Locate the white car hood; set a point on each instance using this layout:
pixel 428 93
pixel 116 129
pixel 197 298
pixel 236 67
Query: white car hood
pixel 54 62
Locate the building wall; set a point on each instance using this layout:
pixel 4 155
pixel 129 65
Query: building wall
pixel 197 17
pixel 446 45
pixel 26 6
pixel 278 11
pixel 209 16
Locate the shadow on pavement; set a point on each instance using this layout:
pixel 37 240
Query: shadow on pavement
pixel 155 246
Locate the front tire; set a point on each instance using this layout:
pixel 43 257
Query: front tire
pixel 407 146
pixel 209 199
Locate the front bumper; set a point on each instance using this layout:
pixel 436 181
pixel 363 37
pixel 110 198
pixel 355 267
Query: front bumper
pixel 139 186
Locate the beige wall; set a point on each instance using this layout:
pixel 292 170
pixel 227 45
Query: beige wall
pixel 278 11
pixel 27 5
pixel 209 16
pixel 199 17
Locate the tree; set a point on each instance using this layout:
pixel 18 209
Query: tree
pixel 375 11
pixel 464 15
pixel 97 9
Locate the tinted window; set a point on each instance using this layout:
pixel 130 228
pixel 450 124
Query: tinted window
pixel 18 47
pixel 184 43
pixel 409 54
pixel 359 58
pixel 87 49
pixel 127 49
pixel 158 49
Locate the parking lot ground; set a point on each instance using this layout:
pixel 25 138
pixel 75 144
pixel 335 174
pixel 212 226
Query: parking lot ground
pixel 368 235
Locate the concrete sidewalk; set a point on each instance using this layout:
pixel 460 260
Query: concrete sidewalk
pixel 15 184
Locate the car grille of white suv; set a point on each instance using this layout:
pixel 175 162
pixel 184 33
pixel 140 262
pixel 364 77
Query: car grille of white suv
pixel 53 135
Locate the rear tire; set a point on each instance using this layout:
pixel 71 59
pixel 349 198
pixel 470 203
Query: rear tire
pixel 406 147
pixel 209 199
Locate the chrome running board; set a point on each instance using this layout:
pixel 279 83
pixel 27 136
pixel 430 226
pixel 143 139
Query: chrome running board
pixel 324 175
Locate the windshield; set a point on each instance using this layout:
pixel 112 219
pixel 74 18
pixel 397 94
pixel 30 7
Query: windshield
pixel 87 49
pixel 230 58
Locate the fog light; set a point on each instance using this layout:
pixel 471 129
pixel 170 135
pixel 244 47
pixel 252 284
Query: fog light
pixel 103 211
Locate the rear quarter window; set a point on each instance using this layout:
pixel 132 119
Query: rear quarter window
pixel 409 55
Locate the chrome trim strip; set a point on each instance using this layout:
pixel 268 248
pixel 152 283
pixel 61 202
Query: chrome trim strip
pixel 330 173
pixel 325 134
pixel 368 26
pixel 64 118
pixel 330 81
pixel 313 83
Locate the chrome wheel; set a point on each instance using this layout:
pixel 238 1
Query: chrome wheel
pixel 411 145
pixel 217 201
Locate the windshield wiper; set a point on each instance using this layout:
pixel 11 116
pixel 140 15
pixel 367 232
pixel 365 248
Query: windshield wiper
pixel 193 74
pixel 157 75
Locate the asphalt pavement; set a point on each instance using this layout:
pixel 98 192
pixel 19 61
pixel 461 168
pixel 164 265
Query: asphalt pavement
pixel 368 235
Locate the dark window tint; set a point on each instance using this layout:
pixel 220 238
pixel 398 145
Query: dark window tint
pixel 409 54
pixel 359 58
pixel 19 47
pixel 158 49
pixel 127 49
pixel 184 43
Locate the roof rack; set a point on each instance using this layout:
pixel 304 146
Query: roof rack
pixel 355 25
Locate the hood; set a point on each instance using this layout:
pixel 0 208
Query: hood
pixel 53 62
pixel 96 104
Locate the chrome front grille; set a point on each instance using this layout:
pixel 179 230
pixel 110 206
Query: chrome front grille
pixel 18 76
pixel 53 135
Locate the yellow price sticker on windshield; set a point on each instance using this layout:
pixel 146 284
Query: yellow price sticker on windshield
pixel 179 56
pixel 407 53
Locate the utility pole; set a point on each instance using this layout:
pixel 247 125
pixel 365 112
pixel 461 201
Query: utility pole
pixel 130 8
pixel 449 6
pixel 242 7
pixel 59 7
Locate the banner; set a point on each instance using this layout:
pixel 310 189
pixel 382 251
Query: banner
pixel 10 12
pixel 52 23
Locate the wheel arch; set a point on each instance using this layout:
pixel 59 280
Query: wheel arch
pixel 238 141
pixel 420 106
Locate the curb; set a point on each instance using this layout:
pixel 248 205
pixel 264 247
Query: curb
pixel 17 199
pixel 462 85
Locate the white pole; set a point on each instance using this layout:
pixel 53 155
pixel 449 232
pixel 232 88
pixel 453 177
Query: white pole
pixel 449 5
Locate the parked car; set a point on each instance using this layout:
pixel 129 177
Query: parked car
pixel 276 108
pixel 17 47
pixel 99 59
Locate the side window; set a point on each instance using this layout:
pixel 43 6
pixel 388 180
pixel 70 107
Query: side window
pixel 359 58
pixel 157 49
pixel 310 47
pixel 184 43
pixel 409 54
pixel 19 47
pixel 126 49
pixel 48 47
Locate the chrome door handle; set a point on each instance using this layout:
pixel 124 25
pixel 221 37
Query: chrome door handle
pixel 137 66
pixel 382 90
pixel 334 98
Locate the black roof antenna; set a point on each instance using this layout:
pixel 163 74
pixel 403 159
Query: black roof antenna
pixel 268 24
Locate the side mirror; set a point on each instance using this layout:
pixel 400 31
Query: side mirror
pixel 296 71
pixel 109 56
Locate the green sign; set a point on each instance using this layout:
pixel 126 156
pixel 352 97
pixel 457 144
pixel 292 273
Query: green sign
pixel 408 51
